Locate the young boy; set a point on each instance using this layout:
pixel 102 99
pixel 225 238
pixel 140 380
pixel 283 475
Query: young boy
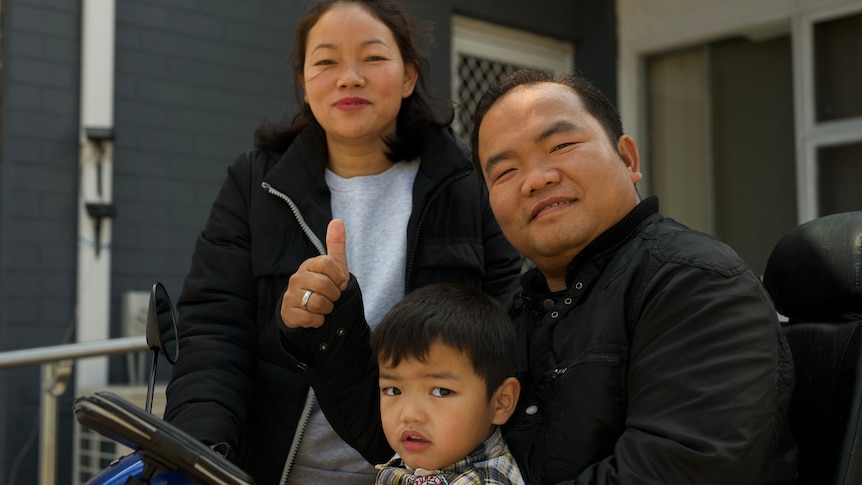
pixel 446 356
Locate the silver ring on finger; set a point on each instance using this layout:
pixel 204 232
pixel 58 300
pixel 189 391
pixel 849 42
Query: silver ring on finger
pixel 305 299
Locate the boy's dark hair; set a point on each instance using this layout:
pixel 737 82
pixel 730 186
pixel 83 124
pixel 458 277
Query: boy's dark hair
pixel 416 114
pixel 595 102
pixel 459 316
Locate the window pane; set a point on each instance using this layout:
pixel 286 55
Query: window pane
pixel 837 68
pixel 721 152
pixel 838 184
pixel 476 76
pixel 484 52
pixel 753 150
pixel 679 166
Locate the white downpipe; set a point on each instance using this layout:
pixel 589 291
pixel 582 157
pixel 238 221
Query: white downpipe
pixel 95 199
pixel 95 185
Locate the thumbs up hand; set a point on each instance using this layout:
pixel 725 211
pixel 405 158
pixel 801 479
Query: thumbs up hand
pixel 318 282
pixel 336 246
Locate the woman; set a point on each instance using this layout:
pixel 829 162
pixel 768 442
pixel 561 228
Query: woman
pixel 366 148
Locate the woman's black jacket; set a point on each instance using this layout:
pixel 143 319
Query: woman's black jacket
pixel 234 384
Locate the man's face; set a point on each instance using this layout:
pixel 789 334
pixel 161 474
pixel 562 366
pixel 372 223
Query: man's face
pixel 555 180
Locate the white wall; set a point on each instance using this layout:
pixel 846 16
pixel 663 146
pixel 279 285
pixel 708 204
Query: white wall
pixel 652 26
pixel 647 27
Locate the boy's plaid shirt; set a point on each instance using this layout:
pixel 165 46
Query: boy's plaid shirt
pixel 490 463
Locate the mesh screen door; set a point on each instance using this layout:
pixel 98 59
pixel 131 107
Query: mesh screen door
pixel 484 52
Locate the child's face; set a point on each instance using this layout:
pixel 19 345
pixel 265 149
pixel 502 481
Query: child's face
pixel 435 412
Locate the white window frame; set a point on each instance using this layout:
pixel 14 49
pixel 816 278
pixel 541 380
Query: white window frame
pixel 666 25
pixel 812 135
pixel 492 41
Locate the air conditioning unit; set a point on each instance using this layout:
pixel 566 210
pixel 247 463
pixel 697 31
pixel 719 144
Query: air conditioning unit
pixel 133 321
pixel 95 452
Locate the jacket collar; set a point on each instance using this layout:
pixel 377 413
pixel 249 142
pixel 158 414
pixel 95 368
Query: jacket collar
pixel 299 173
pixel 599 251
pixel 446 153
pixel 301 167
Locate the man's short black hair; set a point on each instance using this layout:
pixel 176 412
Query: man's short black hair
pixel 595 102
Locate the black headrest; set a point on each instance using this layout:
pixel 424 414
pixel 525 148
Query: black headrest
pixel 814 273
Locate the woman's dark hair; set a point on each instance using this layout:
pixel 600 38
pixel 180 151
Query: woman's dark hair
pixel 595 102
pixel 458 316
pixel 416 113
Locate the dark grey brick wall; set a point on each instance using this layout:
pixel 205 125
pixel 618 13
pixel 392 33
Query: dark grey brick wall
pixel 193 80
pixel 38 164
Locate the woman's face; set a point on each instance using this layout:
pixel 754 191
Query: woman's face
pixel 354 76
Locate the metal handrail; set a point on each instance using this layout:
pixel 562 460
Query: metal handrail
pixel 56 372
pixel 56 353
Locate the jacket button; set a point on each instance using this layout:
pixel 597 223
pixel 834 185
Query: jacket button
pixel 531 410
pixel 323 347
pixel 340 332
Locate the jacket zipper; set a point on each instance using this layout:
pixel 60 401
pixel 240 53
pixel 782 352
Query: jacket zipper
pixel 298 215
pixel 310 398
pixel 590 359
pixel 414 246
pixel 297 437
pixel 309 402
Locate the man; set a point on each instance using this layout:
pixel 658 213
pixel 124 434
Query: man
pixel 648 352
